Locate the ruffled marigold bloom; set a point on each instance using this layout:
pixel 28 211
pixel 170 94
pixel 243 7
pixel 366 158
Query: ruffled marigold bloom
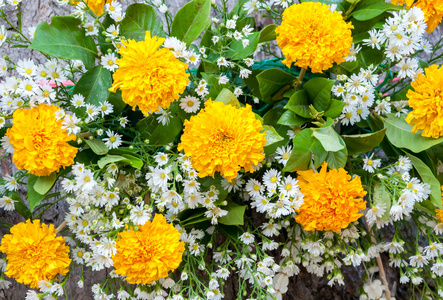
pixel 97 6
pixel 439 212
pixel 34 253
pixel 148 76
pixel 331 199
pixel 433 10
pixel 223 138
pixel 149 253
pixel 40 144
pixel 310 35
pixel 426 102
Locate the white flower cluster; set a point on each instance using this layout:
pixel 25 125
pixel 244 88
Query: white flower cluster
pixel 411 191
pixel 401 37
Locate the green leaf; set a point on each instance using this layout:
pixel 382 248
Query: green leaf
pixel 65 38
pixel 368 56
pixel 299 104
pixel 401 94
pixel 289 118
pixel 97 146
pixel 108 159
pixel 361 143
pixel 337 159
pixel 207 181
pixel 428 177
pixel 191 20
pixel 271 81
pixel 335 109
pixel 238 52
pixel 94 86
pixel 426 206
pixel 45 183
pixel 272 137
pixel 400 135
pixel 268 34
pixel 214 87
pixel 329 138
pixel 20 206
pixel 117 102
pixel 134 161
pixel 382 196
pixel 300 158
pixel 227 97
pixel 319 91
pixel 235 214
pixel 157 133
pixel 140 18
pixel 371 11
pixel 34 198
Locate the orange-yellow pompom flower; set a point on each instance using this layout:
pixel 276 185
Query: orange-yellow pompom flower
pixel 426 101
pixel 223 138
pixel 149 77
pixel 433 10
pixel 34 253
pixel 97 6
pixel 331 199
pixel 311 36
pixel 40 144
pixel 149 253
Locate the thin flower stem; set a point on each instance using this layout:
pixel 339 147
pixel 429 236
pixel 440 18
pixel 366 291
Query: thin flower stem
pixel 300 77
pixel 62 225
pixel 380 264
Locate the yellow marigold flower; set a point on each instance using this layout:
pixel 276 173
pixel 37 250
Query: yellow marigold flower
pixel 40 144
pixel 426 102
pixel 97 6
pixel 149 77
pixel 310 35
pixel 331 199
pixel 223 138
pixel 34 253
pixel 433 10
pixel 149 253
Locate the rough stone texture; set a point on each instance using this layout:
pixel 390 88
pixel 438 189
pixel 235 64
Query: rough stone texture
pixel 304 286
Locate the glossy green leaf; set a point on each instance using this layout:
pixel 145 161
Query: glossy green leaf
pixel 214 87
pixel 34 198
pixel 362 143
pixel 400 135
pixel 428 177
pixel 65 38
pixel 289 118
pixel 301 154
pixel 337 159
pixel 108 159
pixel 335 109
pixel 97 146
pixel 140 18
pixel 382 196
pixel 227 97
pixel 94 86
pixel 268 34
pixel 329 138
pixel 117 102
pixel 299 103
pixel 371 11
pixel 45 183
pixel 319 92
pixel 272 137
pixel 157 133
pixel 134 162
pixel 20 206
pixel 273 80
pixel 238 52
pixel 191 20
pixel 235 214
